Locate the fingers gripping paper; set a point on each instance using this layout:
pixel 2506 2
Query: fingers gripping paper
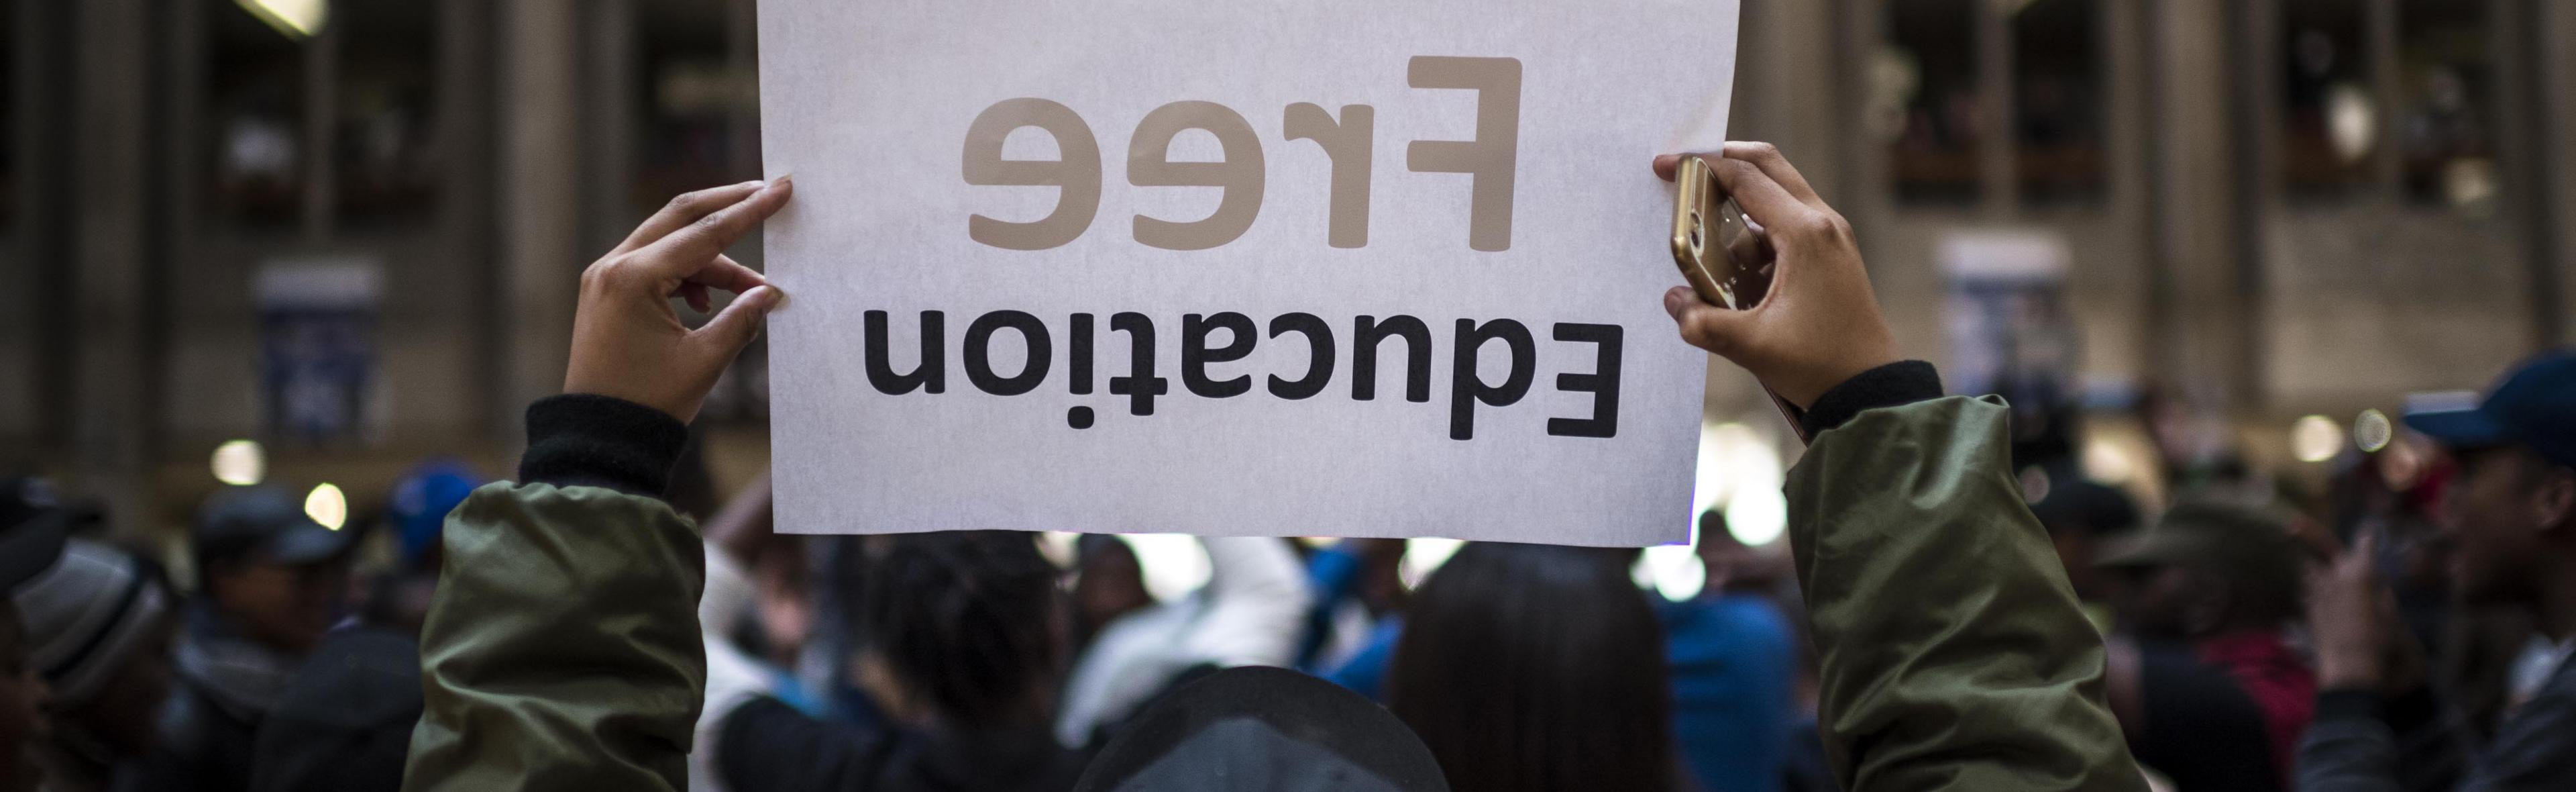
pixel 1346 267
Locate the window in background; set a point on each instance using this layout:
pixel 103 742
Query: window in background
pixel 2330 117
pixel 690 93
pixel 1927 81
pixel 254 119
pixel 2446 130
pixel 2058 96
pixel 384 121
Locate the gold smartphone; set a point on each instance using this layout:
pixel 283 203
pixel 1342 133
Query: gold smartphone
pixel 1721 258
pixel 1727 264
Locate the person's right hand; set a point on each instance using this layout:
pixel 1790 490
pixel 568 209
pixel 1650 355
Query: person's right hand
pixel 2352 618
pixel 1820 325
pixel 628 343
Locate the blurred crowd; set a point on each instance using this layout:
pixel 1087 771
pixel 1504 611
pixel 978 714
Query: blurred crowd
pixel 2406 628
pixel 1011 658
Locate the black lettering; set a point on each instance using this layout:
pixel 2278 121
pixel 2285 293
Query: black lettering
pixel 1602 383
pixel 979 364
pixel 1195 354
pixel 1078 354
pixel 1142 386
pixel 930 375
pixel 1367 332
pixel 1319 357
pixel 1466 388
pixel 1078 369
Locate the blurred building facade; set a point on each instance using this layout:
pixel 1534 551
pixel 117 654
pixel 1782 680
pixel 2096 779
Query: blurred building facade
pixel 360 247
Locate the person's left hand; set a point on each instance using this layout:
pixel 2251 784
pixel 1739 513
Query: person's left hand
pixel 628 343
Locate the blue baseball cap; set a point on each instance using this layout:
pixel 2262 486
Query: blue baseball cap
pixel 422 499
pixel 2534 407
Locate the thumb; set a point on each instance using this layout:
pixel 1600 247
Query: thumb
pixel 739 322
pixel 1707 326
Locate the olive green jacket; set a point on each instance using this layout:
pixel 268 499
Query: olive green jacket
pixel 1953 653
pixel 563 652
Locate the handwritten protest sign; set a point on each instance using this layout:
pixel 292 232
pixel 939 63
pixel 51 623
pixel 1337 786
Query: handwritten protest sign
pixel 1345 267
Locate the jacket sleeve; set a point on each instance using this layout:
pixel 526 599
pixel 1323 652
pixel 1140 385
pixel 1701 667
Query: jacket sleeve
pixel 1953 653
pixel 2362 742
pixel 563 649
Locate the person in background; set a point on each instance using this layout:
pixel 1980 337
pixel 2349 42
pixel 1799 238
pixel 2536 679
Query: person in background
pixel 2218 582
pixel 343 723
pixel 758 608
pixel 31 538
pixel 962 646
pixel 99 624
pixel 271 581
pixel 1729 654
pixel 2509 517
pixel 1733 663
pixel 2079 513
pixel 418 515
pixel 1108 582
pixel 1258 729
pixel 1952 652
pixel 1251 612
pixel 1357 585
pixel 1531 667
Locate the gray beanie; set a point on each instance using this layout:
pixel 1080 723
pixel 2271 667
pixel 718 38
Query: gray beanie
pixel 86 615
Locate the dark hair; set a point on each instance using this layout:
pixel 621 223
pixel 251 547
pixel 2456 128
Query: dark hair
pixel 968 621
pixel 2266 576
pixel 1528 667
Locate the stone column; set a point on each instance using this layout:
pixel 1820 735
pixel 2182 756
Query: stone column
pixel 111 369
pixel 538 196
pixel 2554 270
pixel 2199 320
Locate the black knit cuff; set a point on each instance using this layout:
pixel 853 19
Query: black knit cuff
pixel 2348 704
pixel 582 439
pixel 1895 384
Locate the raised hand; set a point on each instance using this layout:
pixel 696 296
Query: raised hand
pixel 628 343
pixel 1820 324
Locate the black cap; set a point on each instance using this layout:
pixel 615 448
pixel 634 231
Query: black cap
pixel 2247 543
pixel 265 521
pixel 2085 507
pixel 1263 730
pixel 31 530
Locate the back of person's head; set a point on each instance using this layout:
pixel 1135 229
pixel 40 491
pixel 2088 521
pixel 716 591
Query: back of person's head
pixel 965 626
pixel 1260 729
pixel 343 722
pixel 98 624
pixel 1527 667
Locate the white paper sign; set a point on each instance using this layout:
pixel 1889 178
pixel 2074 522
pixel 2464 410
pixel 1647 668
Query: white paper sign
pixel 1208 267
